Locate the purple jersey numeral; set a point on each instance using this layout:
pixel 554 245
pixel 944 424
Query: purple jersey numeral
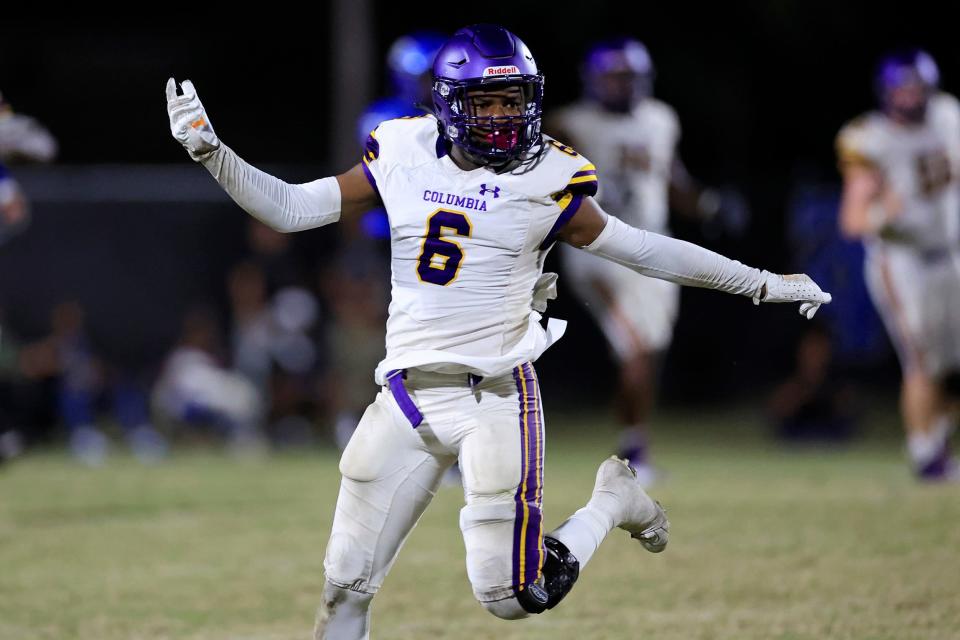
pixel 440 259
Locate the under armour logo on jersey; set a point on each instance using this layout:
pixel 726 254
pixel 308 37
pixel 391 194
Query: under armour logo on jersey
pixel 494 190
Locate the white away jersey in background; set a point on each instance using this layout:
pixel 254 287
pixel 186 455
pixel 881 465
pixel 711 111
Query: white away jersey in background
pixel 468 249
pixel 634 153
pixel 921 163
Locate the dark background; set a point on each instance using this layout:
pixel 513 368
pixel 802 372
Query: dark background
pixel 761 89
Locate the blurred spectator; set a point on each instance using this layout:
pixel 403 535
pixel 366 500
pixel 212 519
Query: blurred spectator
pixel 275 254
pixel 275 316
pixel 814 404
pixel 819 401
pixel 355 288
pixel 818 249
pixel 252 325
pixel 86 384
pixel 26 392
pixel 195 389
pixel 60 376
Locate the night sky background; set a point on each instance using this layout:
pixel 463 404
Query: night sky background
pixel 761 89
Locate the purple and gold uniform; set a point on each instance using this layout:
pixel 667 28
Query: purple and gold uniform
pixel 913 267
pixel 468 290
pixel 634 151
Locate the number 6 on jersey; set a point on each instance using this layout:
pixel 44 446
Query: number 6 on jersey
pixel 440 258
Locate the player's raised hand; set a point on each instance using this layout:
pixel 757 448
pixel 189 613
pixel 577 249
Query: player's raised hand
pixel 189 122
pixel 797 287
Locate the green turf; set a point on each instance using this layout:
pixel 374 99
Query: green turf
pixel 766 543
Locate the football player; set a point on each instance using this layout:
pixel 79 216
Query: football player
pixel 23 138
pixel 14 211
pixel 632 138
pixel 476 198
pixel 901 196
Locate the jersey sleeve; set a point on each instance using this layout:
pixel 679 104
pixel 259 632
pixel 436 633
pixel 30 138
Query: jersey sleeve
pixel 856 147
pixel 371 161
pixel 581 182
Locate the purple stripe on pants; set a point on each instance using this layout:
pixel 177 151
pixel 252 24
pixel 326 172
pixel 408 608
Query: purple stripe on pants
pixel 528 526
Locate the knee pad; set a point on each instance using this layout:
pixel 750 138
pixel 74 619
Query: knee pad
pixel 346 562
pixel 560 571
pixel 509 609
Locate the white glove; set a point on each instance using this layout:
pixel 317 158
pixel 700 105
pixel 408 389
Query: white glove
pixel 797 287
pixel 189 122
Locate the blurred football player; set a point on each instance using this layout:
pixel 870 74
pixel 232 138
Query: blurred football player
pixel 409 65
pixel 476 197
pixel 632 138
pixel 901 196
pixel 14 211
pixel 23 138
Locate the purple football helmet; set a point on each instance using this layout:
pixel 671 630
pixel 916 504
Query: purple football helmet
pixel 479 58
pixel 618 73
pixel 904 82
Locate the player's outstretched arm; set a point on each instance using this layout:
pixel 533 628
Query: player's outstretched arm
pixel 278 204
pixel 652 254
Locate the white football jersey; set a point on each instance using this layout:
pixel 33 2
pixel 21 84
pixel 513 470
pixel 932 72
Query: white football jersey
pixel 468 249
pixel 634 152
pixel 921 164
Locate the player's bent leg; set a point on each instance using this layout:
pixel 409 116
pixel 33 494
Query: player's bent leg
pixel 487 567
pixel 617 501
pixel 388 480
pixel 502 522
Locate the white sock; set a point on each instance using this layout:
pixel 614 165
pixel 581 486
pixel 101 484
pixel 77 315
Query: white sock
pixel 924 447
pixel 583 532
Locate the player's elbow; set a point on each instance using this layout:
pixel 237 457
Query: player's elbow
pixel 281 222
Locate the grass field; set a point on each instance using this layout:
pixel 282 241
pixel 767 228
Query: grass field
pixel 766 543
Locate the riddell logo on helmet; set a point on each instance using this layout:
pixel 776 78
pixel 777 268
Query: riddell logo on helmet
pixel 501 71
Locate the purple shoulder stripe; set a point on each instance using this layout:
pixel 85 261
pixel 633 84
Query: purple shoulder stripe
pixel 371 148
pixel 370 178
pixel 572 207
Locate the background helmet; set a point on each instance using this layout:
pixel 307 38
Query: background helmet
pixel 618 73
pixel 487 57
pixel 410 63
pixel 904 82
